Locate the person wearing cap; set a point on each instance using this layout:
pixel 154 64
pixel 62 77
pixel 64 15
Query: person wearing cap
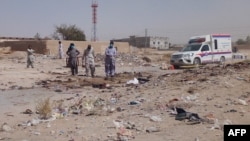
pixel 110 54
pixel 60 50
pixel 73 61
pixel 89 58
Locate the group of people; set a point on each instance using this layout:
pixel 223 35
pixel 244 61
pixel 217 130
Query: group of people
pixel 88 59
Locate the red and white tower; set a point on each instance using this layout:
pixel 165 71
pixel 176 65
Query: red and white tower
pixel 94 20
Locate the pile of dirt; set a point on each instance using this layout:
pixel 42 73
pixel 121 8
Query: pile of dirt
pixel 5 50
pixel 13 54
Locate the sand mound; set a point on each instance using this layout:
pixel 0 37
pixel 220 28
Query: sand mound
pixel 14 54
pixel 5 50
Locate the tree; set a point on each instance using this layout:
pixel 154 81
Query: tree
pixel 248 40
pixel 46 38
pixel 69 32
pixel 37 36
pixel 240 42
pixel 55 36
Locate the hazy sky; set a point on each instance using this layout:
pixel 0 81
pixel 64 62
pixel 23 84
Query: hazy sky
pixel 176 19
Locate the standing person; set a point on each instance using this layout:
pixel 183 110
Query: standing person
pixel 73 61
pixel 89 58
pixel 110 54
pixel 60 50
pixel 30 57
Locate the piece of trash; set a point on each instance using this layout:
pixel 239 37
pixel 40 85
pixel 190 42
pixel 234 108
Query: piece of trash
pixel 172 112
pixel 216 125
pixel 129 125
pixel 99 102
pixel 182 114
pixel 220 126
pixel 163 66
pixel 34 122
pixel 27 111
pixel 179 110
pixel 122 138
pixel 173 100
pixel 227 122
pixel 142 80
pixel 101 86
pixel 193 117
pixel 190 98
pixel 76 112
pixel 152 129
pixel 36 133
pixel 118 124
pixel 240 78
pixel 134 81
pixel 243 102
pixel 5 127
pixel 134 103
pixel 70 98
pixel 231 111
pixel 113 100
pixel 196 139
pixel 52 132
pixel 61 132
pixel 124 132
pixel 108 109
pixel 119 109
pixel 88 105
pixel 58 115
pixel 218 106
pixel 48 125
pixel 155 118
pixel 58 90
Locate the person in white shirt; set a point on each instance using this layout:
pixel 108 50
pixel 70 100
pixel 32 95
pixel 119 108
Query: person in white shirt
pixel 60 50
pixel 89 58
pixel 30 57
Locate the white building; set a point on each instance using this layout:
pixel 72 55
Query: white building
pixel 160 43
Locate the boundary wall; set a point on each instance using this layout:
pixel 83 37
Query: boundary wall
pixel 50 47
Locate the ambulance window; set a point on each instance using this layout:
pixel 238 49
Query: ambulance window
pixel 205 48
pixel 215 44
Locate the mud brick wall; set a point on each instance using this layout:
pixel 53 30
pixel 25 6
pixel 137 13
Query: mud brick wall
pixel 244 49
pixel 50 47
pixel 38 45
pixel 99 46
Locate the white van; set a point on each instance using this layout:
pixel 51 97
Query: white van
pixel 215 48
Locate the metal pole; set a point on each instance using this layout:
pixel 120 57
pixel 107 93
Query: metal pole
pixel 146 32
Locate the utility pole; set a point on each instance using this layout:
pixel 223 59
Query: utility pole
pixel 146 34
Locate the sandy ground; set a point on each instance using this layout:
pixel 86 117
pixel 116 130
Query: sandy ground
pixel 92 109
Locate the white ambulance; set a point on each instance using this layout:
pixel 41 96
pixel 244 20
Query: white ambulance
pixel 214 48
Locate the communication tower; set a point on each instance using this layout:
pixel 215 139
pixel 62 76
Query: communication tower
pixel 94 20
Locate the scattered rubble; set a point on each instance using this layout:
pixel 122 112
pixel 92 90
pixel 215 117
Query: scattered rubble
pixel 138 103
